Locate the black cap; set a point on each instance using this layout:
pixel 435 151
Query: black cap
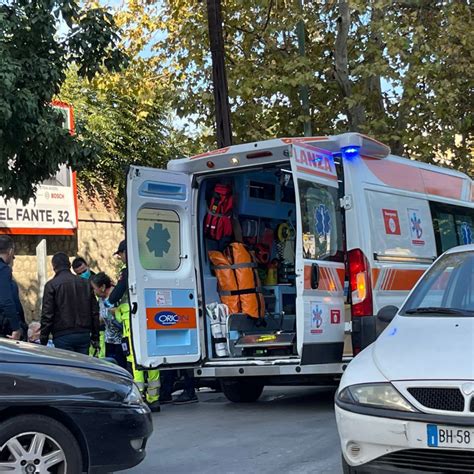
pixel 122 247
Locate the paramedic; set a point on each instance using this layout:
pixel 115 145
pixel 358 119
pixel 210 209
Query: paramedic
pixel 119 298
pixel 9 317
pixel 102 286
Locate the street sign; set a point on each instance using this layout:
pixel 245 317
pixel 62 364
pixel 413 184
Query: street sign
pixel 54 211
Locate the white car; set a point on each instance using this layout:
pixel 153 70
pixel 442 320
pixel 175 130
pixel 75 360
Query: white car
pixel 406 403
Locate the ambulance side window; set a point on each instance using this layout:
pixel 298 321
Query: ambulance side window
pixel 159 242
pixel 453 225
pixel 321 222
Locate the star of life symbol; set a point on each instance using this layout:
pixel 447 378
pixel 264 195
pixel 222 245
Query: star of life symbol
pixel 323 220
pixel 317 320
pixel 416 226
pixel 158 240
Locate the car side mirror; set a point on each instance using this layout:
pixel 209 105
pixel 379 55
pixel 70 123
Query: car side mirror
pixel 387 313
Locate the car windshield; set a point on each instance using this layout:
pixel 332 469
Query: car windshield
pixel 447 289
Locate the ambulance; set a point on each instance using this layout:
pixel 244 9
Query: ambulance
pixel 274 262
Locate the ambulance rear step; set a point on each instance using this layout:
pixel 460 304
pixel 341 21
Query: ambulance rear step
pixel 283 339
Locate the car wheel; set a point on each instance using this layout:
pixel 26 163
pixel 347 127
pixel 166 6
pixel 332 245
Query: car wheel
pixel 242 391
pixel 37 444
pixel 346 469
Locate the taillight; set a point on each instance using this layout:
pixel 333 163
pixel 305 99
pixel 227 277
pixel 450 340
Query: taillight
pixel 360 284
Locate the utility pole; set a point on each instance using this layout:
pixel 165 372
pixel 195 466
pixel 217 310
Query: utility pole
pixel 219 78
pixel 304 89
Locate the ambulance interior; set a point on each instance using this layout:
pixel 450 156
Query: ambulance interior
pixel 247 252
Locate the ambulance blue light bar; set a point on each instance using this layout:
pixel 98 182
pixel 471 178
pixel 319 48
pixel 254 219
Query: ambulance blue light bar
pixel 352 145
pixel 350 152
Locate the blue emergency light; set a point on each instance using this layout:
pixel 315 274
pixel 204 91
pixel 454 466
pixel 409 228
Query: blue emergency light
pixel 350 152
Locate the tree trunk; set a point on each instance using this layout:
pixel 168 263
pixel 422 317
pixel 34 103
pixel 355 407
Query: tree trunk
pixel 375 104
pixel 219 78
pixel 356 112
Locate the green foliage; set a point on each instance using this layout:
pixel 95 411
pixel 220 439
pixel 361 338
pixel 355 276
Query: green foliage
pixel 125 115
pixel 34 58
pixel 409 63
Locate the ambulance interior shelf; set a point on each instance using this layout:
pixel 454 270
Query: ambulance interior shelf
pixel 261 209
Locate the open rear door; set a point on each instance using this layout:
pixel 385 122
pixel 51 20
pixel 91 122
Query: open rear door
pixel 319 257
pixel 162 282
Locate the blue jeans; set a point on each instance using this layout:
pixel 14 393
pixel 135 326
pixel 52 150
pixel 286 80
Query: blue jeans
pixel 76 342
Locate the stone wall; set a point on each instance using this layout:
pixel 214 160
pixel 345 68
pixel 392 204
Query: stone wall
pixel 99 232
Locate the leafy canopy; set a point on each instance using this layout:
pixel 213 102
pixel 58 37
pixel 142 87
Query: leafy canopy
pixel 34 59
pixel 400 70
pixel 125 114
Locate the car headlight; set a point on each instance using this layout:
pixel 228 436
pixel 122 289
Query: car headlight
pixel 134 397
pixel 377 395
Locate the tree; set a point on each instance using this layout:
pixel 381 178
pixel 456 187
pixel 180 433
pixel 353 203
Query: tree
pixel 34 58
pixel 374 66
pixel 125 114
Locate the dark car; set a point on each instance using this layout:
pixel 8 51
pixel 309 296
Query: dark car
pixel 63 412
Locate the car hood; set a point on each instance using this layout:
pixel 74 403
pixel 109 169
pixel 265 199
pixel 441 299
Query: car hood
pixel 25 353
pixel 426 348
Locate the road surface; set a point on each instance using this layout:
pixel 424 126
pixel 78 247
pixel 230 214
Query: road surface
pixel 289 430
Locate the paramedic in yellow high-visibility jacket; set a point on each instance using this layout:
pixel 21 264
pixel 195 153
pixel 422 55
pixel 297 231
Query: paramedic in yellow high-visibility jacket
pixel 148 381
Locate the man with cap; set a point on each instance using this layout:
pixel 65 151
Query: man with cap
pixel 148 381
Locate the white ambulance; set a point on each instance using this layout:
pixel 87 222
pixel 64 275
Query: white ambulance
pixel 340 231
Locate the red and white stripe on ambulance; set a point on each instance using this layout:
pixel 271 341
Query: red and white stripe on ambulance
pixel 390 233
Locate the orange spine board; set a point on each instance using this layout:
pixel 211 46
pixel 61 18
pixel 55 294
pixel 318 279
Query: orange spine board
pixel 226 280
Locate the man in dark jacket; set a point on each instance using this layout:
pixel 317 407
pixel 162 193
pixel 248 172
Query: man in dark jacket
pixel 9 317
pixel 70 310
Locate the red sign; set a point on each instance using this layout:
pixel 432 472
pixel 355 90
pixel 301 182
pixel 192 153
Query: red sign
pixel 391 221
pixel 335 316
pixel 53 211
pixel 313 160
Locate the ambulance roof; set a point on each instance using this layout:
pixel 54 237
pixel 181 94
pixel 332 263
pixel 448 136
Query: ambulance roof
pixel 279 150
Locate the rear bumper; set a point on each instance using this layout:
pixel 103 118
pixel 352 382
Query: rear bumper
pixel 108 433
pixel 268 368
pixel 375 444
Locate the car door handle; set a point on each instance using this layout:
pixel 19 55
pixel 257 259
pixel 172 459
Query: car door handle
pixel 134 308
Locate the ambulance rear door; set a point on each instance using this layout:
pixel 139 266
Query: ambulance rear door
pixel 319 262
pixel 162 281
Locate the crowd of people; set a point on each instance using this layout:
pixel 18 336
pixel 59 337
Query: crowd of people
pixel 84 312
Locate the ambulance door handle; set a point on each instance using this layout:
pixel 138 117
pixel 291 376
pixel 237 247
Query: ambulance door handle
pixel 134 308
pixel 314 276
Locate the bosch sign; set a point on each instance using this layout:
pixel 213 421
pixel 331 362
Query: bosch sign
pixel 166 318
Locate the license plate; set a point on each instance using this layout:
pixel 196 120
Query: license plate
pixel 449 437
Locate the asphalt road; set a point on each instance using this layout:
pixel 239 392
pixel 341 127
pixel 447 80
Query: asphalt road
pixel 289 430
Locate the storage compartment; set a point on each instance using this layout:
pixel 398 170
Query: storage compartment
pixel 254 261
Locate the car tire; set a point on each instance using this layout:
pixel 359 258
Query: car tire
pixel 242 391
pixel 346 468
pixel 34 439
